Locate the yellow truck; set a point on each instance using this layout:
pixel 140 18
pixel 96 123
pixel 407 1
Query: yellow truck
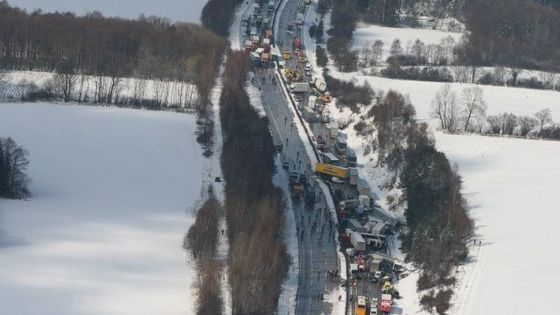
pixel 331 170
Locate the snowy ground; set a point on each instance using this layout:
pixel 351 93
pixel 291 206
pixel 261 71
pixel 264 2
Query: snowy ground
pixel 366 34
pixel 176 10
pixel 102 234
pixel 512 189
pixel 519 101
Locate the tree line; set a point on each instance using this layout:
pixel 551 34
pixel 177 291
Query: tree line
pixel 513 33
pixel 217 15
pixel 202 242
pixel 13 164
pixel 112 48
pixel 258 260
pixel 438 227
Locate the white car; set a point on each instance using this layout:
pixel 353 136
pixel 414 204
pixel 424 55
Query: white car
pixel 374 302
pixel 373 311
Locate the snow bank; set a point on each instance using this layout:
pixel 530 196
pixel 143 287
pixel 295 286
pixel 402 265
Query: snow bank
pixel 512 189
pixel 288 298
pixel 176 10
pixel 103 231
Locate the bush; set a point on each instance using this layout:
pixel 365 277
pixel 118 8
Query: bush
pixel 406 60
pixel 348 94
pixel 414 73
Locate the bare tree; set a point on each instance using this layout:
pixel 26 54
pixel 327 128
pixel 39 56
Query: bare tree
pixel 377 51
pixel 419 50
pixel 544 117
pixel 444 108
pixel 396 48
pixel 365 59
pixel 474 105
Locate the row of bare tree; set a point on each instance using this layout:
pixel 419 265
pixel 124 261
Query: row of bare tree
pixel 150 47
pixel 467 113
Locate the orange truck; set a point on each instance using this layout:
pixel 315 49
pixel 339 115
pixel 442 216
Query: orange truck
pixel 361 306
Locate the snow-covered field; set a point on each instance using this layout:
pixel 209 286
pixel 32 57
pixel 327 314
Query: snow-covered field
pixel 366 34
pixel 512 187
pixel 499 99
pixel 112 195
pixel 176 10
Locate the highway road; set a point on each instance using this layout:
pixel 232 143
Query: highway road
pixel 317 247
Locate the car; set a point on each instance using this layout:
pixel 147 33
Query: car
pixel 374 302
pixel 286 165
pixel 373 311
pixel 307 68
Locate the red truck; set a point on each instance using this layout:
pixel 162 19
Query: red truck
pixel 386 302
pixel 297 43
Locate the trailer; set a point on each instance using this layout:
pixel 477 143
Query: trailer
pixel 358 241
pixel 300 18
pixel 300 87
pixel 331 170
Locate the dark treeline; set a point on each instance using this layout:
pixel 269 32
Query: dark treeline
pixel 254 206
pixel 149 47
pixel 13 164
pixel 438 226
pixel 514 33
pixel 202 242
pixel 217 15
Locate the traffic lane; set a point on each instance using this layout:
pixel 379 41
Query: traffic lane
pixel 317 253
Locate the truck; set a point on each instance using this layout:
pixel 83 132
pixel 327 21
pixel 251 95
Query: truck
pixel 333 129
pixel 297 190
pixel 297 43
pixel 340 144
pixel 353 176
pixel 330 158
pixel 358 241
pixel 351 157
pixel 299 19
pixel 310 115
pixel 361 306
pixel 320 85
pixel 331 170
pixel 386 303
pixel 301 87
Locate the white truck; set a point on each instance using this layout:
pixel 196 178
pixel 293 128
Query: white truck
pixel 300 87
pixel 358 241
pixel 299 19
